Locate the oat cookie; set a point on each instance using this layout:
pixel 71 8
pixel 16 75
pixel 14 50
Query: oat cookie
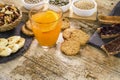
pixel 65 23
pixel 70 47
pixel 67 33
pixel 80 36
pixel 76 34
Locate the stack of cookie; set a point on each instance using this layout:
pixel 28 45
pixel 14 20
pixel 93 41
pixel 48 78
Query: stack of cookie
pixel 11 45
pixel 27 29
pixel 73 39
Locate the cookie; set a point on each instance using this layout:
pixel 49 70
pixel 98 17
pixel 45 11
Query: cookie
pixel 76 34
pixel 65 23
pixel 70 47
pixel 26 31
pixel 5 51
pixel 3 42
pixel 80 36
pixel 67 33
pixel 28 25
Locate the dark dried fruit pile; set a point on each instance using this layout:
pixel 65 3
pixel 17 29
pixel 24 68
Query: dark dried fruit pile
pixel 8 14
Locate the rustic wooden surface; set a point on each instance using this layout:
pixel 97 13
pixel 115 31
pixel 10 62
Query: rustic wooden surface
pixel 90 64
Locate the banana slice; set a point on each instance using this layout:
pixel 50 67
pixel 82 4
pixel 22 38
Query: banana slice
pixel 5 51
pixel 14 47
pixel 3 42
pixel 13 39
pixel 21 42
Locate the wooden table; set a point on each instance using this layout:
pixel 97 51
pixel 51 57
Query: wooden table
pixel 90 64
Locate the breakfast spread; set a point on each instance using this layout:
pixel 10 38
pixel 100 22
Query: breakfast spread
pixel 74 38
pixel 10 16
pixel 11 45
pixel 112 47
pixel 109 31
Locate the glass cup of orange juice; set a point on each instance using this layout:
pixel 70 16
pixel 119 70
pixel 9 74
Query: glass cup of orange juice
pixel 46 21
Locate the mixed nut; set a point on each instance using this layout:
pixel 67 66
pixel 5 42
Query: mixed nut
pixel 8 14
pixel 59 2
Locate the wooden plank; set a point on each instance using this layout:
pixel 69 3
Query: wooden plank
pixel 90 63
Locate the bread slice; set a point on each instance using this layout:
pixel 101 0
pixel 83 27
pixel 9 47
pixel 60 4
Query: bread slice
pixel 70 47
pixel 109 19
pixel 109 31
pixel 77 35
pixel 112 47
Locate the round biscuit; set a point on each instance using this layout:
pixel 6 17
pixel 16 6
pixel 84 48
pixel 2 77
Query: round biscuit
pixel 65 23
pixel 70 47
pixel 28 25
pixel 80 36
pixel 67 33
pixel 27 32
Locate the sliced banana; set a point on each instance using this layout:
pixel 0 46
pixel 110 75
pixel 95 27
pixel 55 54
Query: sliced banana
pixel 11 45
pixel 3 42
pixel 21 42
pixel 13 39
pixel 5 51
pixel 14 47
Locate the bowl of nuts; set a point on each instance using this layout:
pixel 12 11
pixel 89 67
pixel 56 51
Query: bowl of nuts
pixel 84 7
pixel 10 16
pixel 64 4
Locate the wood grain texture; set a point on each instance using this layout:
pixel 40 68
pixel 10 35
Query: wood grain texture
pixel 90 64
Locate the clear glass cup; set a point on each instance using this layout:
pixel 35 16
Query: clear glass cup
pixel 46 21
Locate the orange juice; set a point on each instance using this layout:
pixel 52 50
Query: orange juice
pixel 46 27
